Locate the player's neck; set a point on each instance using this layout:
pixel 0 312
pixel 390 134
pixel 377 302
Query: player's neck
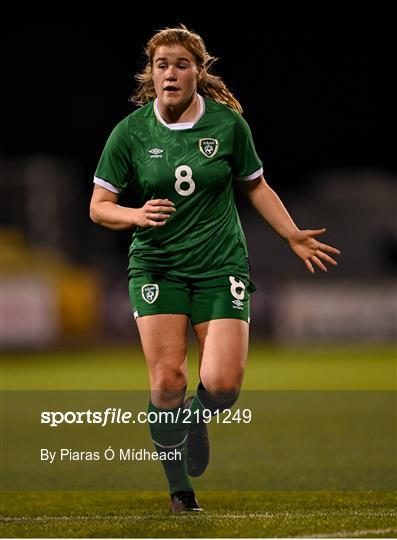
pixel 185 112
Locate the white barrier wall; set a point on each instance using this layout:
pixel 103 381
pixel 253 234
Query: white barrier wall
pixel 335 312
pixel 29 314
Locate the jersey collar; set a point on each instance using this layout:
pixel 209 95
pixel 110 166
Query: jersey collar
pixel 180 125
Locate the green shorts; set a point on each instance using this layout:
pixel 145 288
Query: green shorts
pixel 224 297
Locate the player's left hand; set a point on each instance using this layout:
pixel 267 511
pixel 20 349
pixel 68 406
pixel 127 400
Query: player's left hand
pixel 310 250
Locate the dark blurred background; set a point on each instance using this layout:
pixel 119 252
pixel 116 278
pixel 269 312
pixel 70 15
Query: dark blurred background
pixel 318 87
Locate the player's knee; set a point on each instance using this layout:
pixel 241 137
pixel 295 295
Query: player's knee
pixel 169 379
pixel 222 391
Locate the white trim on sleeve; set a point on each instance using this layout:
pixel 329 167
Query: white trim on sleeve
pixel 106 185
pixel 252 176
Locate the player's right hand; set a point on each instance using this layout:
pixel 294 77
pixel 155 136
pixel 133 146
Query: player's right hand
pixel 154 213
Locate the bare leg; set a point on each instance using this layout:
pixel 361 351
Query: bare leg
pixel 164 343
pixel 223 356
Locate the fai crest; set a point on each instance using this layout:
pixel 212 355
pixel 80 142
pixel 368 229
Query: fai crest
pixel 150 292
pixel 208 147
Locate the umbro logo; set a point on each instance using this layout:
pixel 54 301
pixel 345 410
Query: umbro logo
pixel 156 153
pixel 238 304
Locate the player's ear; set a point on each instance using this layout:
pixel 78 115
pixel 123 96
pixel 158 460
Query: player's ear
pixel 201 73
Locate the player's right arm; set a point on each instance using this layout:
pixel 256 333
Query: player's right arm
pixel 105 211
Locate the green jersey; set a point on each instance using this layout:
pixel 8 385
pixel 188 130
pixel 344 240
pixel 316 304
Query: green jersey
pixel 193 165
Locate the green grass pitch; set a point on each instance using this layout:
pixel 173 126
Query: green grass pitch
pixel 232 514
pixel 288 505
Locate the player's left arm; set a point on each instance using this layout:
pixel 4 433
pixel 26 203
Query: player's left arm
pixel 302 242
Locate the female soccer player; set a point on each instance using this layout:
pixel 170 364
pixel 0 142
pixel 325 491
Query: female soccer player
pixel 182 150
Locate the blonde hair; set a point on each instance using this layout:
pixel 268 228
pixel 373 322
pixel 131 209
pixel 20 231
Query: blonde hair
pixel 208 85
